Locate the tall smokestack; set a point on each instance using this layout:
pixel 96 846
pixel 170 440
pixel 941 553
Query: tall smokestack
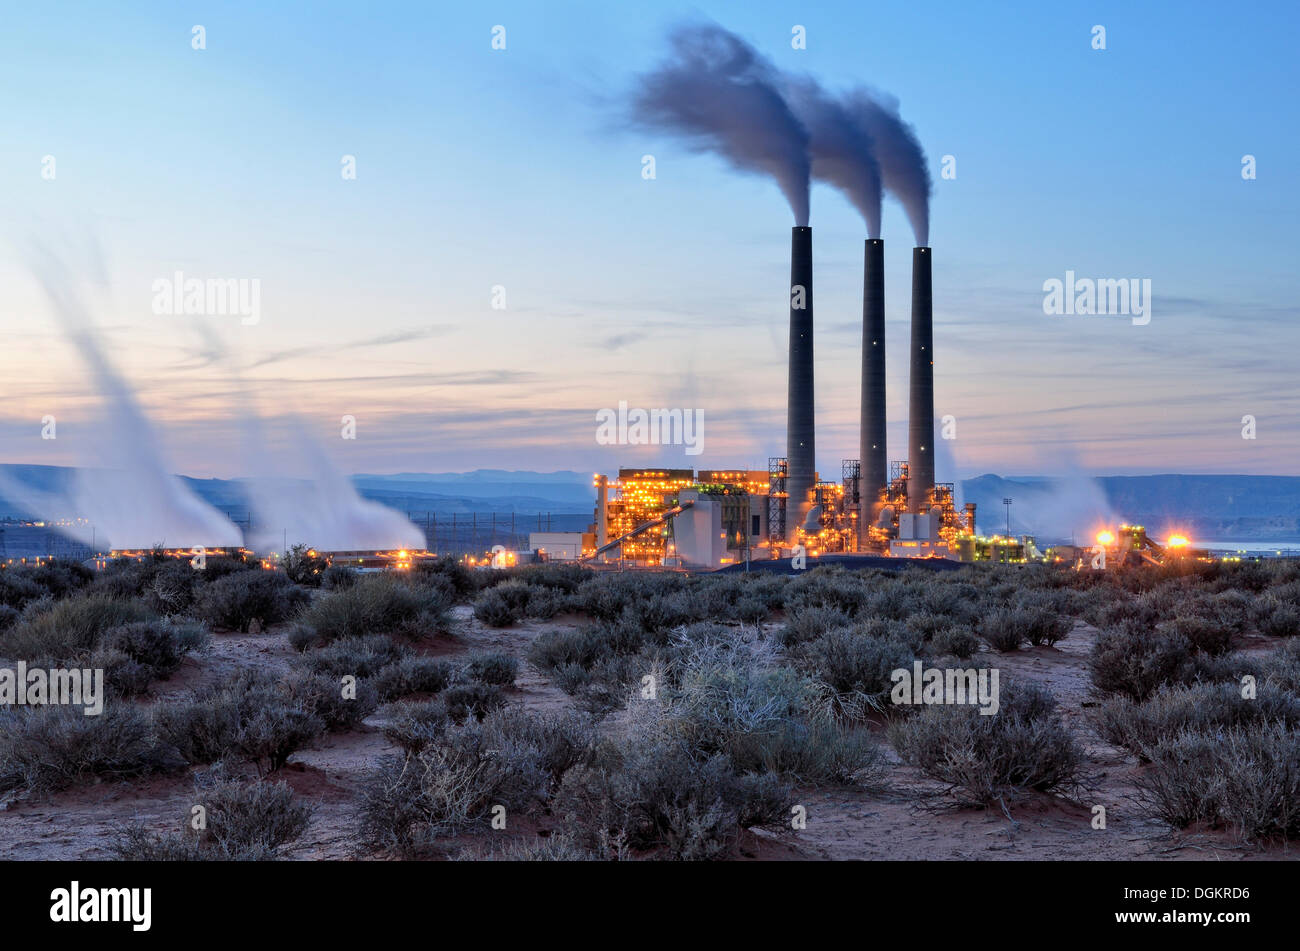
pixel 800 449
pixel 873 474
pixel 920 420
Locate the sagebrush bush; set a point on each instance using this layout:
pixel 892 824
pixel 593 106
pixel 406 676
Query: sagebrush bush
pixel 981 757
pixel 65 630
pixel 453 777
pixel 340 705
pixel 379 604
pixel 1279 619
pixel 157 646
pixel 1199 708
pixel 1245 777
pixel 1201 633
pixel 47 749
pixel 655 795
pixel 495 608
pixel 493 667
pixel 358 656
pixel 954 641
pixel 1136 662
pixel 411 675
pixel 17 589
pixel 855 666
pixel 337 577
pixel 807 623
pixel 246 821
pixel 250 715
pixel 448 572
pixel 237 600
pixel 463 701
pixel 1008 629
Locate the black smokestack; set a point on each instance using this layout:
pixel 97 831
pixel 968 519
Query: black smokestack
pixel 800 448
pixel 717 92
pixel 840 149
pixel 920 419
pixel 898 152
pixel 873 475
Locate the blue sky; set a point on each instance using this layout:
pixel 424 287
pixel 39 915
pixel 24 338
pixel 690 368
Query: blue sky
pixel 478 168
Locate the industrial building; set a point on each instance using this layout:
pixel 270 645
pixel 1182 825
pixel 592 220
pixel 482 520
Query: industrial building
pixel 712 518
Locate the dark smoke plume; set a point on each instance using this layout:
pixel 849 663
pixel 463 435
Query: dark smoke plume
pixel 903 168
pixel 842 152
pixel 717 92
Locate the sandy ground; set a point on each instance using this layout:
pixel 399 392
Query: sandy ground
pixel 904 820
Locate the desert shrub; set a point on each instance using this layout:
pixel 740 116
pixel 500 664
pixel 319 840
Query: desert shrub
pixel 339 706
pixel 1007 629
pixel 414 674
pixel 157 646
pixel 463 701
pixel 656 795
pixel 588 645
pixel 61 576
pixel 446 571
pixel 170 587
pixel 47 749
pixel 123 676
pixel 1279 619
pixel 982 757
pixel 413 724
pixel 855 667
pixel 1136 662
pixel 808 623
pixel 17 589
pixel 554 575
pixel 358 656
pixel 237 600
pixel 1246 777
pixel 1198 708
pixel 379 604
pixel 337 577
pixel 830 588
pixel 219 566
pixel 251 715
pixel 545 603
pixel 8 617
pixel 554 848
pixel 246 821
pixel 303 566
pixel 493 668
pixel 1282 669
pixel 455 775
pixel 497 609
pixel 1201 633
pixel 955 641
pixel 65 630
pixel 751 609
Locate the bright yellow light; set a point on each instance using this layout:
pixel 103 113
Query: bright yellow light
pixel 1105 538
pixel 1177 541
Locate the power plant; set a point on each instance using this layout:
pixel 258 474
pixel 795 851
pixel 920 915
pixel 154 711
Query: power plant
pixel 716 517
